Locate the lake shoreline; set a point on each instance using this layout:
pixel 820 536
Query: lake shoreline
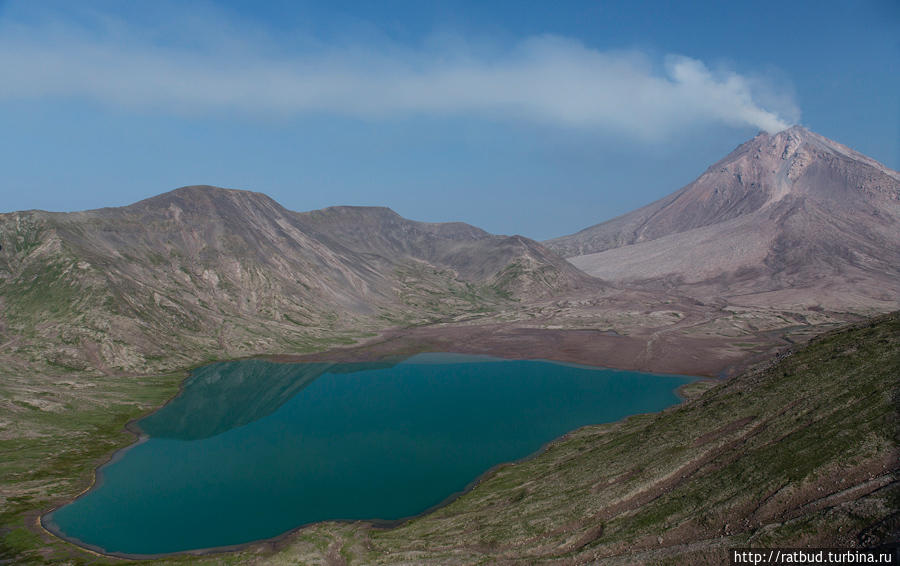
pixel 277 540
pixel 364 352
pixel 696 357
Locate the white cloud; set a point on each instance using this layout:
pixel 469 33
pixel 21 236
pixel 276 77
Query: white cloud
pixel 545 79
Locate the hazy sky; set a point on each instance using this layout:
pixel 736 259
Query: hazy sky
pixel 523 117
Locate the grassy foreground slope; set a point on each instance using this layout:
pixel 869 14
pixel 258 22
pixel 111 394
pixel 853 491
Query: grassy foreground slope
pixel 53 433
pixel 803 451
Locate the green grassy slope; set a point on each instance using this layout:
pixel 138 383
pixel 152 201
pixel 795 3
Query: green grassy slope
pixel 53 433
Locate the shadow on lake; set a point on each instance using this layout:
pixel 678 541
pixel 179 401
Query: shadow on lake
pixel 222 396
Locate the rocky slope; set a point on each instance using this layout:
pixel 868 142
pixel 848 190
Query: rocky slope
pixel 784 220
pixel 205 272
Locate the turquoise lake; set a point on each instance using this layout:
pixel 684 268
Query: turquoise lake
pixel 252 449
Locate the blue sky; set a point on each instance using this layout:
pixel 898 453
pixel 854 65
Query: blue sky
pixel 522 117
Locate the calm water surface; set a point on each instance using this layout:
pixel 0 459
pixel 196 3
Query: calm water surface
pixel 252 449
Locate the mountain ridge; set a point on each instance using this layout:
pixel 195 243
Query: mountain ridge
pixel 204 270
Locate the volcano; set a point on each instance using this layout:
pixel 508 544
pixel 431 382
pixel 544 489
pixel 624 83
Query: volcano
pixel 790 219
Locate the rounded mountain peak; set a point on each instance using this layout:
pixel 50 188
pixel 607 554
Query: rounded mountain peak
pixel 206 199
